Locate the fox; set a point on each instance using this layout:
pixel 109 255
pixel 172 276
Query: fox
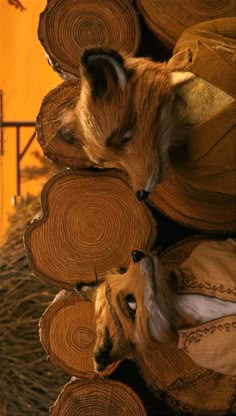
pixel 133 114
pixel 140 306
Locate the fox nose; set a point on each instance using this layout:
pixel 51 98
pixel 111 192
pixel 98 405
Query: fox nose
pixel 137 256
pixel 142 194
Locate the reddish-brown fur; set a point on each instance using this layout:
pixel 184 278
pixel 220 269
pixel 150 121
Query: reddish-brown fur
pixel 146 108
pixel 142 307
pixel 119 329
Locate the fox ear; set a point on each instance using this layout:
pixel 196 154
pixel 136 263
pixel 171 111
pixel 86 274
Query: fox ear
pixel 101 67
pixel 179 78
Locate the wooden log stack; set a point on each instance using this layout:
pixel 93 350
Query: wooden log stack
pixel 97 397
pixel 91 221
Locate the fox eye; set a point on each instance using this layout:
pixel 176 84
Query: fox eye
pixel 126 137
pixel 122 270
pixel 131 302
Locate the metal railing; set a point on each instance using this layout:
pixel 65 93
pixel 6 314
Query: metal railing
pixel 18 125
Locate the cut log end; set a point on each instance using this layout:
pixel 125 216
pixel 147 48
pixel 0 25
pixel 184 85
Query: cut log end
pixel 91 222
pixel 97 397
pixel 58 147
pixel 68 334
pixel 67 27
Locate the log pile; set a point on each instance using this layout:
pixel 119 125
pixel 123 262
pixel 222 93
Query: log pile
pixel 91 221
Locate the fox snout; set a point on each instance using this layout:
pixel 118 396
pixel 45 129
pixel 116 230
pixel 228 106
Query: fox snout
pixel 101 359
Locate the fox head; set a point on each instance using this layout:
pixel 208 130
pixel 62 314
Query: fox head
pixel 127 115
pixel 132 307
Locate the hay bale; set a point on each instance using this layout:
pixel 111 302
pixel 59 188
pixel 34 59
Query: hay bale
pixel 29 383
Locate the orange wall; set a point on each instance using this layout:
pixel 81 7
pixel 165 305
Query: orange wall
pixel 25 77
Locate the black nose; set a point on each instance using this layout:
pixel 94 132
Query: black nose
pixel 137 256
pixel 142 194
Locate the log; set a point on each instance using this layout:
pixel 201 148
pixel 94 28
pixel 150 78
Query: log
pixel 97 397
pixel 66 28
pixel 91 222
pixel 187 386
pixel 194 207
pixel 55 145
pixel 68 334
pixel 168 19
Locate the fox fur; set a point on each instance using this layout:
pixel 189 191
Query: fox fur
pixel 132 113
pixel 141 307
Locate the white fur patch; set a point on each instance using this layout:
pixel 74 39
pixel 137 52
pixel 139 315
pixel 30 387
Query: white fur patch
pixel 153 179
pixel 204 308
pixel 85 288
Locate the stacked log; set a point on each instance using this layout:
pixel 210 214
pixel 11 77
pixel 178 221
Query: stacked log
pixel 91 221
pixel 56 145
pixel 66 28
pixel 90 224
pixel 97 397
pixel 68 334
pixel 168 19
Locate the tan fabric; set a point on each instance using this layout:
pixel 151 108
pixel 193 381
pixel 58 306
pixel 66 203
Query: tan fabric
pixel 211 270
pixel 209 51
pixel 188 387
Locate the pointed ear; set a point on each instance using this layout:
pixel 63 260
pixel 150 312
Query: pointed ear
pixel 179 78
pixel 103 68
